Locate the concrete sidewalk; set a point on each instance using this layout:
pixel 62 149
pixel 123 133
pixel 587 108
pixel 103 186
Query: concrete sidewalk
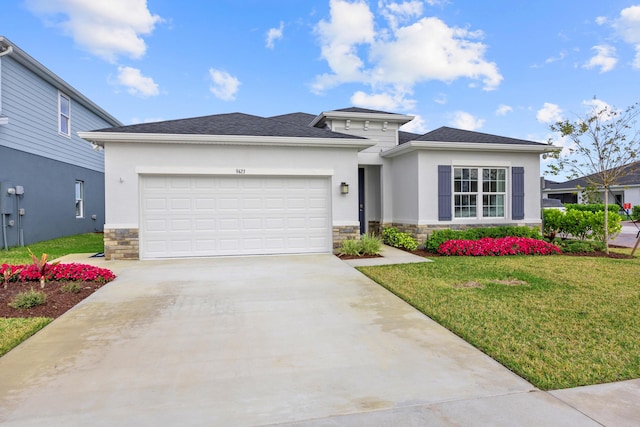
pixel 249 341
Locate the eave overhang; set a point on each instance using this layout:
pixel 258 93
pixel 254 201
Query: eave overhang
pixel 408 147
pixel 100 138
pixel 392 118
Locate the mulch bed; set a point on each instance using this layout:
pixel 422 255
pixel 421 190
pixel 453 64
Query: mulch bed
pixel 57 303
pixel 614 255
pixel 358 256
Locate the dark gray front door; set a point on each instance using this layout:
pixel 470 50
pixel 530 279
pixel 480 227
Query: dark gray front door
pixel 361 200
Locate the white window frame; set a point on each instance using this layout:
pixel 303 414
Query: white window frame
pixel 62 117
pixel 478 192
pixel 79 195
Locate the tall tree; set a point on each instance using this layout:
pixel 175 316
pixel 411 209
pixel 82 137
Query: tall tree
pixel 604 147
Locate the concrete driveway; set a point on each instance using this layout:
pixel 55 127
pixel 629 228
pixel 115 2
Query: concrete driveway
pixel 294 340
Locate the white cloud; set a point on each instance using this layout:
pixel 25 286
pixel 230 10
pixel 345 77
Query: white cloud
pixel 549 113
pixel 628 26
pixel 417 125
pixel 601 20
pixel 396 13
pixel 104 28
pixel 382 101
pixel 560 57
pixel 394 59
pixel 605 58
pixel 136 83
pixel 225 86
pixel 464 120
pixel 274 34
pixel 503 110
pixel 603 109
pixel 441 99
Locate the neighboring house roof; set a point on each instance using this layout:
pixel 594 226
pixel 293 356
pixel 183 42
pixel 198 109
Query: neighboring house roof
pixel 47 75
pixel 630 176
pixel 447 134
pixel 239 124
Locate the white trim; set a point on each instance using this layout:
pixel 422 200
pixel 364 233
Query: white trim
pixel 386 117
pixel 231 171
pixel 347 224
pixel 4 120
pixel 101 138
pixel 119 226
pixel 60 115
pixel 408 147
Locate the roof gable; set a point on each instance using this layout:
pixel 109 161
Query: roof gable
pixel 447 134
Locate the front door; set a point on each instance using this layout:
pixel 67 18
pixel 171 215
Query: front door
pixel 361 200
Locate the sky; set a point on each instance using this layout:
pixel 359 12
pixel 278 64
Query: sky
pixel 506 67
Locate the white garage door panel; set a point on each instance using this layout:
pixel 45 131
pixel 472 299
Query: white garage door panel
pixel 208 216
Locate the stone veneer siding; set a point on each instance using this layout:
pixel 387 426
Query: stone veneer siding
pixel 421 232
pixel 343 233
pixel 121 243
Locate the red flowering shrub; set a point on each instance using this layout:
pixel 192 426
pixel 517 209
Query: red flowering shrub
pixel 62 272
pixel 498 247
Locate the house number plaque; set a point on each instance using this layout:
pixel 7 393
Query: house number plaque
pixel 240 171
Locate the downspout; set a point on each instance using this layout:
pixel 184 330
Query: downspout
pixel 6 51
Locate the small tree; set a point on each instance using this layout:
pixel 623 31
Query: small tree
pixel 605 147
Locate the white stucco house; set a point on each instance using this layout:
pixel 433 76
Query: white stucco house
pixel 237 184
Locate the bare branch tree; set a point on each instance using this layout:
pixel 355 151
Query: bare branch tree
pixel 605 146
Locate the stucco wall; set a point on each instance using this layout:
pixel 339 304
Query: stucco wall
pixel 125 161
pixel 428 179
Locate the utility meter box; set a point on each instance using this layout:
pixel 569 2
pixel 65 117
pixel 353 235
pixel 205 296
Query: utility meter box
pixel 7 198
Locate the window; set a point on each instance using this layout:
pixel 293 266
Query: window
pixel 79 199
pixel 64 115
pixel 479 191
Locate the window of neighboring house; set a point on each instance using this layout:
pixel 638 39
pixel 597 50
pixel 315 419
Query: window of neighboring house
pixel 64 114
pixel 79 199
pixel 479 192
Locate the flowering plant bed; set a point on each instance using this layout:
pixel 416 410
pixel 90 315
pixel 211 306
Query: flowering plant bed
pixel 65 286
pixel 497 247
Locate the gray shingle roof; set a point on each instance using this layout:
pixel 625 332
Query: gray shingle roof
pixel 447 134
pixel 303 119
pixel 364 110
pixel 406 136
pixel 630 176
pixel 230 124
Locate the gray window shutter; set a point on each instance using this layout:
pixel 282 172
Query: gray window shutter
pixel 517 192
pixel 444 193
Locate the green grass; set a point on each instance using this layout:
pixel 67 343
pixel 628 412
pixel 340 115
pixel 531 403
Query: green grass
pixel 562 322
pixel 14 331
pixel 81 243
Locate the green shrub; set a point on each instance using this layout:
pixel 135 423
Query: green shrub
pixel 392 237
pixel 635 213
pixel 370 244
pixel 438 237
pixel 591 207
pixel 579 224
pixel 70 287
pixel 574 246
pixel 349 247
pixel 28 299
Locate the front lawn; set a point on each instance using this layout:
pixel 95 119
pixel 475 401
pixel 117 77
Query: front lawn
pixel 15 330
pixel 557 321
pixel 78 244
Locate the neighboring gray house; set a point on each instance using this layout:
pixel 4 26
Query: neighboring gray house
pixel 236 184
pixel 51 180
pixel 627 189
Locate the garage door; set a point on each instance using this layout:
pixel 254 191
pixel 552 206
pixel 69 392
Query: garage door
pixel 194 216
